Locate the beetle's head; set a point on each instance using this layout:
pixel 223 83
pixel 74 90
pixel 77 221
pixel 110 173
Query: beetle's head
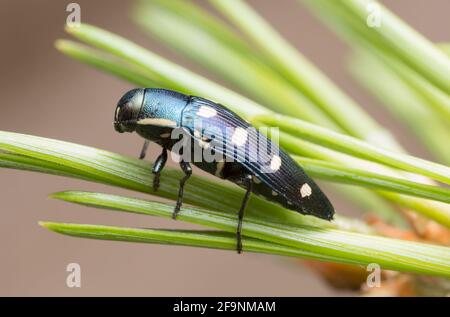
pixel 128 109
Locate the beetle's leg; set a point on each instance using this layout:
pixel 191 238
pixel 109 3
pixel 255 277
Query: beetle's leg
pixel 186 167
pixel 158 167
pixel 249 185
pixel 144 150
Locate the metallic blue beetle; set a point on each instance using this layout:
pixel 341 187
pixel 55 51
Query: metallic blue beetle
pixel 235 150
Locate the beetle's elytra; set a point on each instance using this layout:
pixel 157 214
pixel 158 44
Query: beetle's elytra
pixel 230 149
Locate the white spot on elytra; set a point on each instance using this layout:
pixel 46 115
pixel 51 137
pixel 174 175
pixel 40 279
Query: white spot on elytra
pixel 275 163
pixel 203 144
pixel 157 122
pixel 274 193
pixel 206 112
pixel 256 180
pixel 305 190
pixel 219 168
pixel 239 136
pixel 165 135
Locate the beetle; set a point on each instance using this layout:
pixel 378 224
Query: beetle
pixel 156 114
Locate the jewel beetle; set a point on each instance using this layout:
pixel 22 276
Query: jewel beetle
pixel 236 151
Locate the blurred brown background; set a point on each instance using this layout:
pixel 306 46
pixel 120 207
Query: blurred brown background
pixel 47 94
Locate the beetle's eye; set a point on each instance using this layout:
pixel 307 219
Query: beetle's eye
pixel 128 109
pixel 116 114
pixel 129 105
pixel 125 112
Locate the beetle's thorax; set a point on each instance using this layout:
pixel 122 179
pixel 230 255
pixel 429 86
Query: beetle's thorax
pixel 161 110
pixel 162 104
